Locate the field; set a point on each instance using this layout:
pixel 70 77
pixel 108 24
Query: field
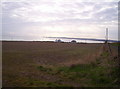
pixel 50 64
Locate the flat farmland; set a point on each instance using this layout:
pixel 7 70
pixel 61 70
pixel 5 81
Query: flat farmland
pixel 51 64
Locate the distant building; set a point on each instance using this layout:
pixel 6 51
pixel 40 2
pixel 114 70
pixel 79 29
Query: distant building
pixel 58 40
pixel 73 41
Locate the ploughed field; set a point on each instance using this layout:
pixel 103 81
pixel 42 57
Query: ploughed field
pixel 50 64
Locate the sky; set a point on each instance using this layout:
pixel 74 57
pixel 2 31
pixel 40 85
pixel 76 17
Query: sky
pixel 36 20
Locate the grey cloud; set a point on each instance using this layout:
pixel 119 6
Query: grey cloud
pixel 109 14
pixel 68 14
pixel 69 10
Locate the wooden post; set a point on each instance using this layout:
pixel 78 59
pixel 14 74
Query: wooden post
pixel 106 34
pixel 106 47
pixel 106 41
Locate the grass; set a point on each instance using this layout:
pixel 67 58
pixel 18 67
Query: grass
pixel 92 75
pixel 76 68
pixel 37 83
pixel 41 68
pixel 98 75
pixel 116 44
pixel 105 54
pixel 29 82
pixel 95 73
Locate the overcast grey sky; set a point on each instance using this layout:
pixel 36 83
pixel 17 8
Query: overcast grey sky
pixel 31 20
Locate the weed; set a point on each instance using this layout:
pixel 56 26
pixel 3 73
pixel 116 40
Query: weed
pixel 105 54
pixel 41 68
pixel 98 61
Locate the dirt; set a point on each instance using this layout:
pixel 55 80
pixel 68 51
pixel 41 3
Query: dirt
pixel 21 59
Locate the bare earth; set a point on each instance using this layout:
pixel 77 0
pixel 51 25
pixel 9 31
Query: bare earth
pixel 21 61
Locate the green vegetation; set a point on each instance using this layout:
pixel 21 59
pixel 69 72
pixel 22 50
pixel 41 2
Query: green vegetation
pixel 94 73
pixel 34 83
pixel 98 75
pixel 116 44
pixel 29 82
pixel 105 54
pixel 44 69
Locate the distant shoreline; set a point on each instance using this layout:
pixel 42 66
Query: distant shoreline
pixel 52 42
